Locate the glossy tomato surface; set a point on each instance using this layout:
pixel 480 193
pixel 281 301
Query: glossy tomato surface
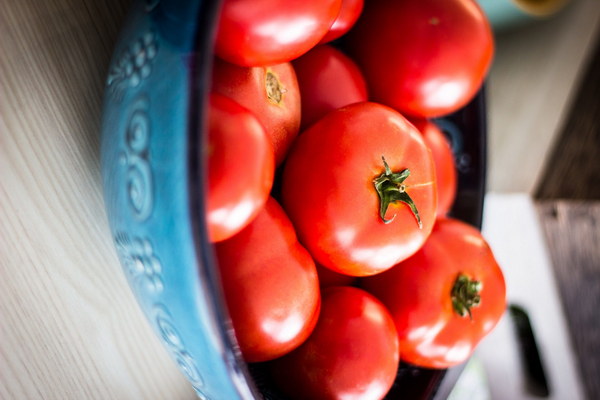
pixel 270 92
pixel 329 191
pixel 419 294
pixel 240 167
pixel 445 167
pixel 328 80
pixel 352 353
pixel 270 285
pixel 266 32
pixel 347 17
pixel 425 58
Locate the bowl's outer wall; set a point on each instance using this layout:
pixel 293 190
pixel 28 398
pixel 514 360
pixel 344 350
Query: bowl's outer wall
pixel 145 128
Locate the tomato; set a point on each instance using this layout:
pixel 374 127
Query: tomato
pixel 334 177
pixel 270 285
pixel 265 32
pixel 443 158
pixel 349 13
pixel 328 79
pixel 270 92
pixel 329 278
pixel 240 168
pixel 425 58
pixel 445 298
pixel 352 353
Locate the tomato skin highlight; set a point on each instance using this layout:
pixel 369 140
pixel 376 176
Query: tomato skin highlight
pixel 417 292
pixel 279 112
pixel 265 32
pixel 349 13
pixel 352 353
pixel 445 167
pixel 270 285
pixel 328 80
pixel 425 58
pixel 240 168
pixel 328 189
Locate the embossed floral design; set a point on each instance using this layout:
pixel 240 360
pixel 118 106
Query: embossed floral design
pixel 173 341
pixel 138 260
pixel 132 66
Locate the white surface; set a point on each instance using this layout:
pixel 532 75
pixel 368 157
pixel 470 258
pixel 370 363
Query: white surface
pixel 512 230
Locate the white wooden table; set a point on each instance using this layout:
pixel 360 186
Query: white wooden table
pixel 69 327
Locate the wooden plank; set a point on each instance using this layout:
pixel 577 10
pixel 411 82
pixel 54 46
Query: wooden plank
pixel 572 233
pixel 535 73
pixel 572 169
pixel 70 328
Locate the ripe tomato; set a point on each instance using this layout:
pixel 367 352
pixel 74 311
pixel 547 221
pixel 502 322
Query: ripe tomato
pixel 443 158
pixel 328 80
pixel 240 167
pixel 270 285
pixel 445 298
pixel 349 13
pixel 334 177
pixel 270 92
pixel 265 32
pixel 352 353
pixel 424 58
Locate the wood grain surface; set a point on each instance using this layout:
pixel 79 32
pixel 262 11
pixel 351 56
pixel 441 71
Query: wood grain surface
pixel 536 72
pixel 572 169
pixel 572 232
pixel 568 203
pixel 70 328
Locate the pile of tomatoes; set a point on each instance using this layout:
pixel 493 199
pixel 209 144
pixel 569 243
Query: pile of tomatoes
pixel 329 186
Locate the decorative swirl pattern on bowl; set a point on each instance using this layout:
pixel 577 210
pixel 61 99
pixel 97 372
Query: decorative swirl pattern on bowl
pixel 174 343
pixel 139 183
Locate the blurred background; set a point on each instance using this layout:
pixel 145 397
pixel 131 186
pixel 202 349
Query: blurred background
pixel 70 328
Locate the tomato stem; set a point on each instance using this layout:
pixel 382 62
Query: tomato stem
pixel 465 295
pixel 391 189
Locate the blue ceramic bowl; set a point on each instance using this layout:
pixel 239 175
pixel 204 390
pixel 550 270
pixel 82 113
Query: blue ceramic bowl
pixel 154 174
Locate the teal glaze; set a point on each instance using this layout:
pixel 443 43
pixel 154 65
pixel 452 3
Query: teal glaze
pixel 153 192
pixel 506 14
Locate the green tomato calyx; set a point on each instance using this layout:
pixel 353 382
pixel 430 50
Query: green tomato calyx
pixel 465 295
pixel 391 189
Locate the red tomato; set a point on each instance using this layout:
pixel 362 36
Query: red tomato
pixel 328 80
pixel 270 284
pixel 352 353
pixel 265 32
pixel 329 278
pixel 424 58
pixel 240 167
pixel 443 158
pixel 332 182
pixel 270 92
pixel 445 298
pixel 347 17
